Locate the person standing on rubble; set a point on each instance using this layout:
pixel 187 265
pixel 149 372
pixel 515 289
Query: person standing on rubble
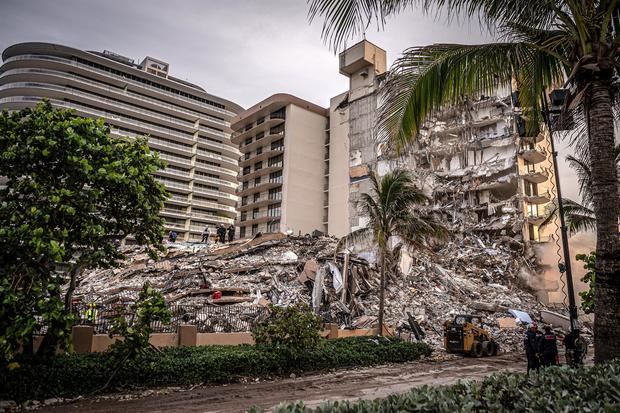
pixel 205 235
pixel 549 348
pixel 531 342
pixel 231 233
pixel 172 236
pixel 221 233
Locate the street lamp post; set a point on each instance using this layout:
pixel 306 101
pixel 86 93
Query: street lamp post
pixel 566 266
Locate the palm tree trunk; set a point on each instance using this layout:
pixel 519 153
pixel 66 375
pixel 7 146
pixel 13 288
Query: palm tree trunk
pixel 381 289
pixel 606 206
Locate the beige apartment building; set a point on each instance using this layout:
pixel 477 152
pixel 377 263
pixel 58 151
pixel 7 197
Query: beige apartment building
pixel 283 166
pixel 188 127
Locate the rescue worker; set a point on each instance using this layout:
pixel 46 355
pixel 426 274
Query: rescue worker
pixel 549 348
pixel 574 350
pixel 221 233
pixel 205 235
pixel 231 233
pixel 90 316
pixel 172 236
pixel 531 343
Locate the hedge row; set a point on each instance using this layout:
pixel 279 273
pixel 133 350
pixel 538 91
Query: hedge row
pixel 74 374
pixel 556 389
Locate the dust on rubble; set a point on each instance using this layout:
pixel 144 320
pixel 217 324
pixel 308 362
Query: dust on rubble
pixel 467 275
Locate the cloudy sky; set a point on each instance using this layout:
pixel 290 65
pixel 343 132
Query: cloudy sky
pixel 242 50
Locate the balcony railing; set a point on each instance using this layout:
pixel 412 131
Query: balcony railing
pixel 216 156
pixel 121 78
pixel 112 89
pixel 213 205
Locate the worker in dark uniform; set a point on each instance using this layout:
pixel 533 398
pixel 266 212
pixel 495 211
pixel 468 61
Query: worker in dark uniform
pixel 231 233
pixel 531 342
pixel 549 348
pixel 574 350
pixel 221 234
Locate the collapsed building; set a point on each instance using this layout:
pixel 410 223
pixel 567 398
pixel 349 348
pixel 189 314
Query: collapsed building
pixel 227 288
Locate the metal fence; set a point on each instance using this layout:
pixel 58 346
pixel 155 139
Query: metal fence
pixel 208 318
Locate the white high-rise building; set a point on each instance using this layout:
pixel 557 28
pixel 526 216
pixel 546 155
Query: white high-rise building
pixel 188 127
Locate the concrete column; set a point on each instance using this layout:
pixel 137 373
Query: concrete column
pixel 82 338
pixel 188 335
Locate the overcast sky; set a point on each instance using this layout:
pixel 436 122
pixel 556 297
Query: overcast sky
pixel 241 50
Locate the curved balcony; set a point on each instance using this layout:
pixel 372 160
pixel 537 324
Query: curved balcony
pixel 214 205
pixel 44 59
pixel 201 153
pixel 173 213
pixel 265 140
pixel 270 122
pixel 533 155
pixel 542 198
pixel 266 170
pixel 229 174
pixel 263 186
pixel 223 196
pixel 224 185
pixel 535 219
pixel 262 201
pixel 266 154
pixel 536 177
pixel 47 75
pixel 260 218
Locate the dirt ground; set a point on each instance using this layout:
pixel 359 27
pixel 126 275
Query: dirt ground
pixel 367 383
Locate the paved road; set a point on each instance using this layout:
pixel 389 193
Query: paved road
pixel 367 383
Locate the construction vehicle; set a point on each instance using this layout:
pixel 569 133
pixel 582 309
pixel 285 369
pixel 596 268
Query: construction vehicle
pixel 466 335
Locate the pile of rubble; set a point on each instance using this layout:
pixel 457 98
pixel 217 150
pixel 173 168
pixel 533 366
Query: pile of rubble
pixel 466 275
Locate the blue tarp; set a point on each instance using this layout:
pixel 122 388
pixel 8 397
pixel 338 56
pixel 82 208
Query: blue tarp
pixel 522 316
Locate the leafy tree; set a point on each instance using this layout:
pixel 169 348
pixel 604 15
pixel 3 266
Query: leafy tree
pixel 587 297
pixel 296 328
pixel 149 308
pixel 71 192
pixel 391 213
pixel 541 44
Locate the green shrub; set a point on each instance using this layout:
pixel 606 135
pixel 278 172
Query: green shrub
pixel 76 374
pixel 149 308
pixel 295 328
pixel 556 389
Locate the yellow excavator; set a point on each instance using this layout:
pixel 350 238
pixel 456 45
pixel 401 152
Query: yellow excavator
pixel 466 335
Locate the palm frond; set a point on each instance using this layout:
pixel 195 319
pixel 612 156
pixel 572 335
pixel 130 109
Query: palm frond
pixel 355 237
pixel 425 79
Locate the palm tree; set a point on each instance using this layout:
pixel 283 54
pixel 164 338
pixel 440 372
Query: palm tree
pixel 391 213
pixel 541 44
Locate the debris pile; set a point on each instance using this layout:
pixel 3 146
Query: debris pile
pixel 467 275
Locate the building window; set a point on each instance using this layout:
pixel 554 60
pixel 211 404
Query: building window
pixel 273 226
pixel 246 170
pixel 257 181
pixel 242 232
pixel 254 229
pixel 248 141
pixel 244 201
pixel 245 185
pixel 260 120
pixel 258 166
pixel 274 210
pixel 260 135
pixel 255 213
pixel 256 196
pixel 259 151
pixel 276 130
pixel 278 114
pixel 275 194
pixel 246 156
pixel 275 177
pixel 277 145
pixel 532 210
pixel 244 216
pixel 276 161
pixel 531 189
